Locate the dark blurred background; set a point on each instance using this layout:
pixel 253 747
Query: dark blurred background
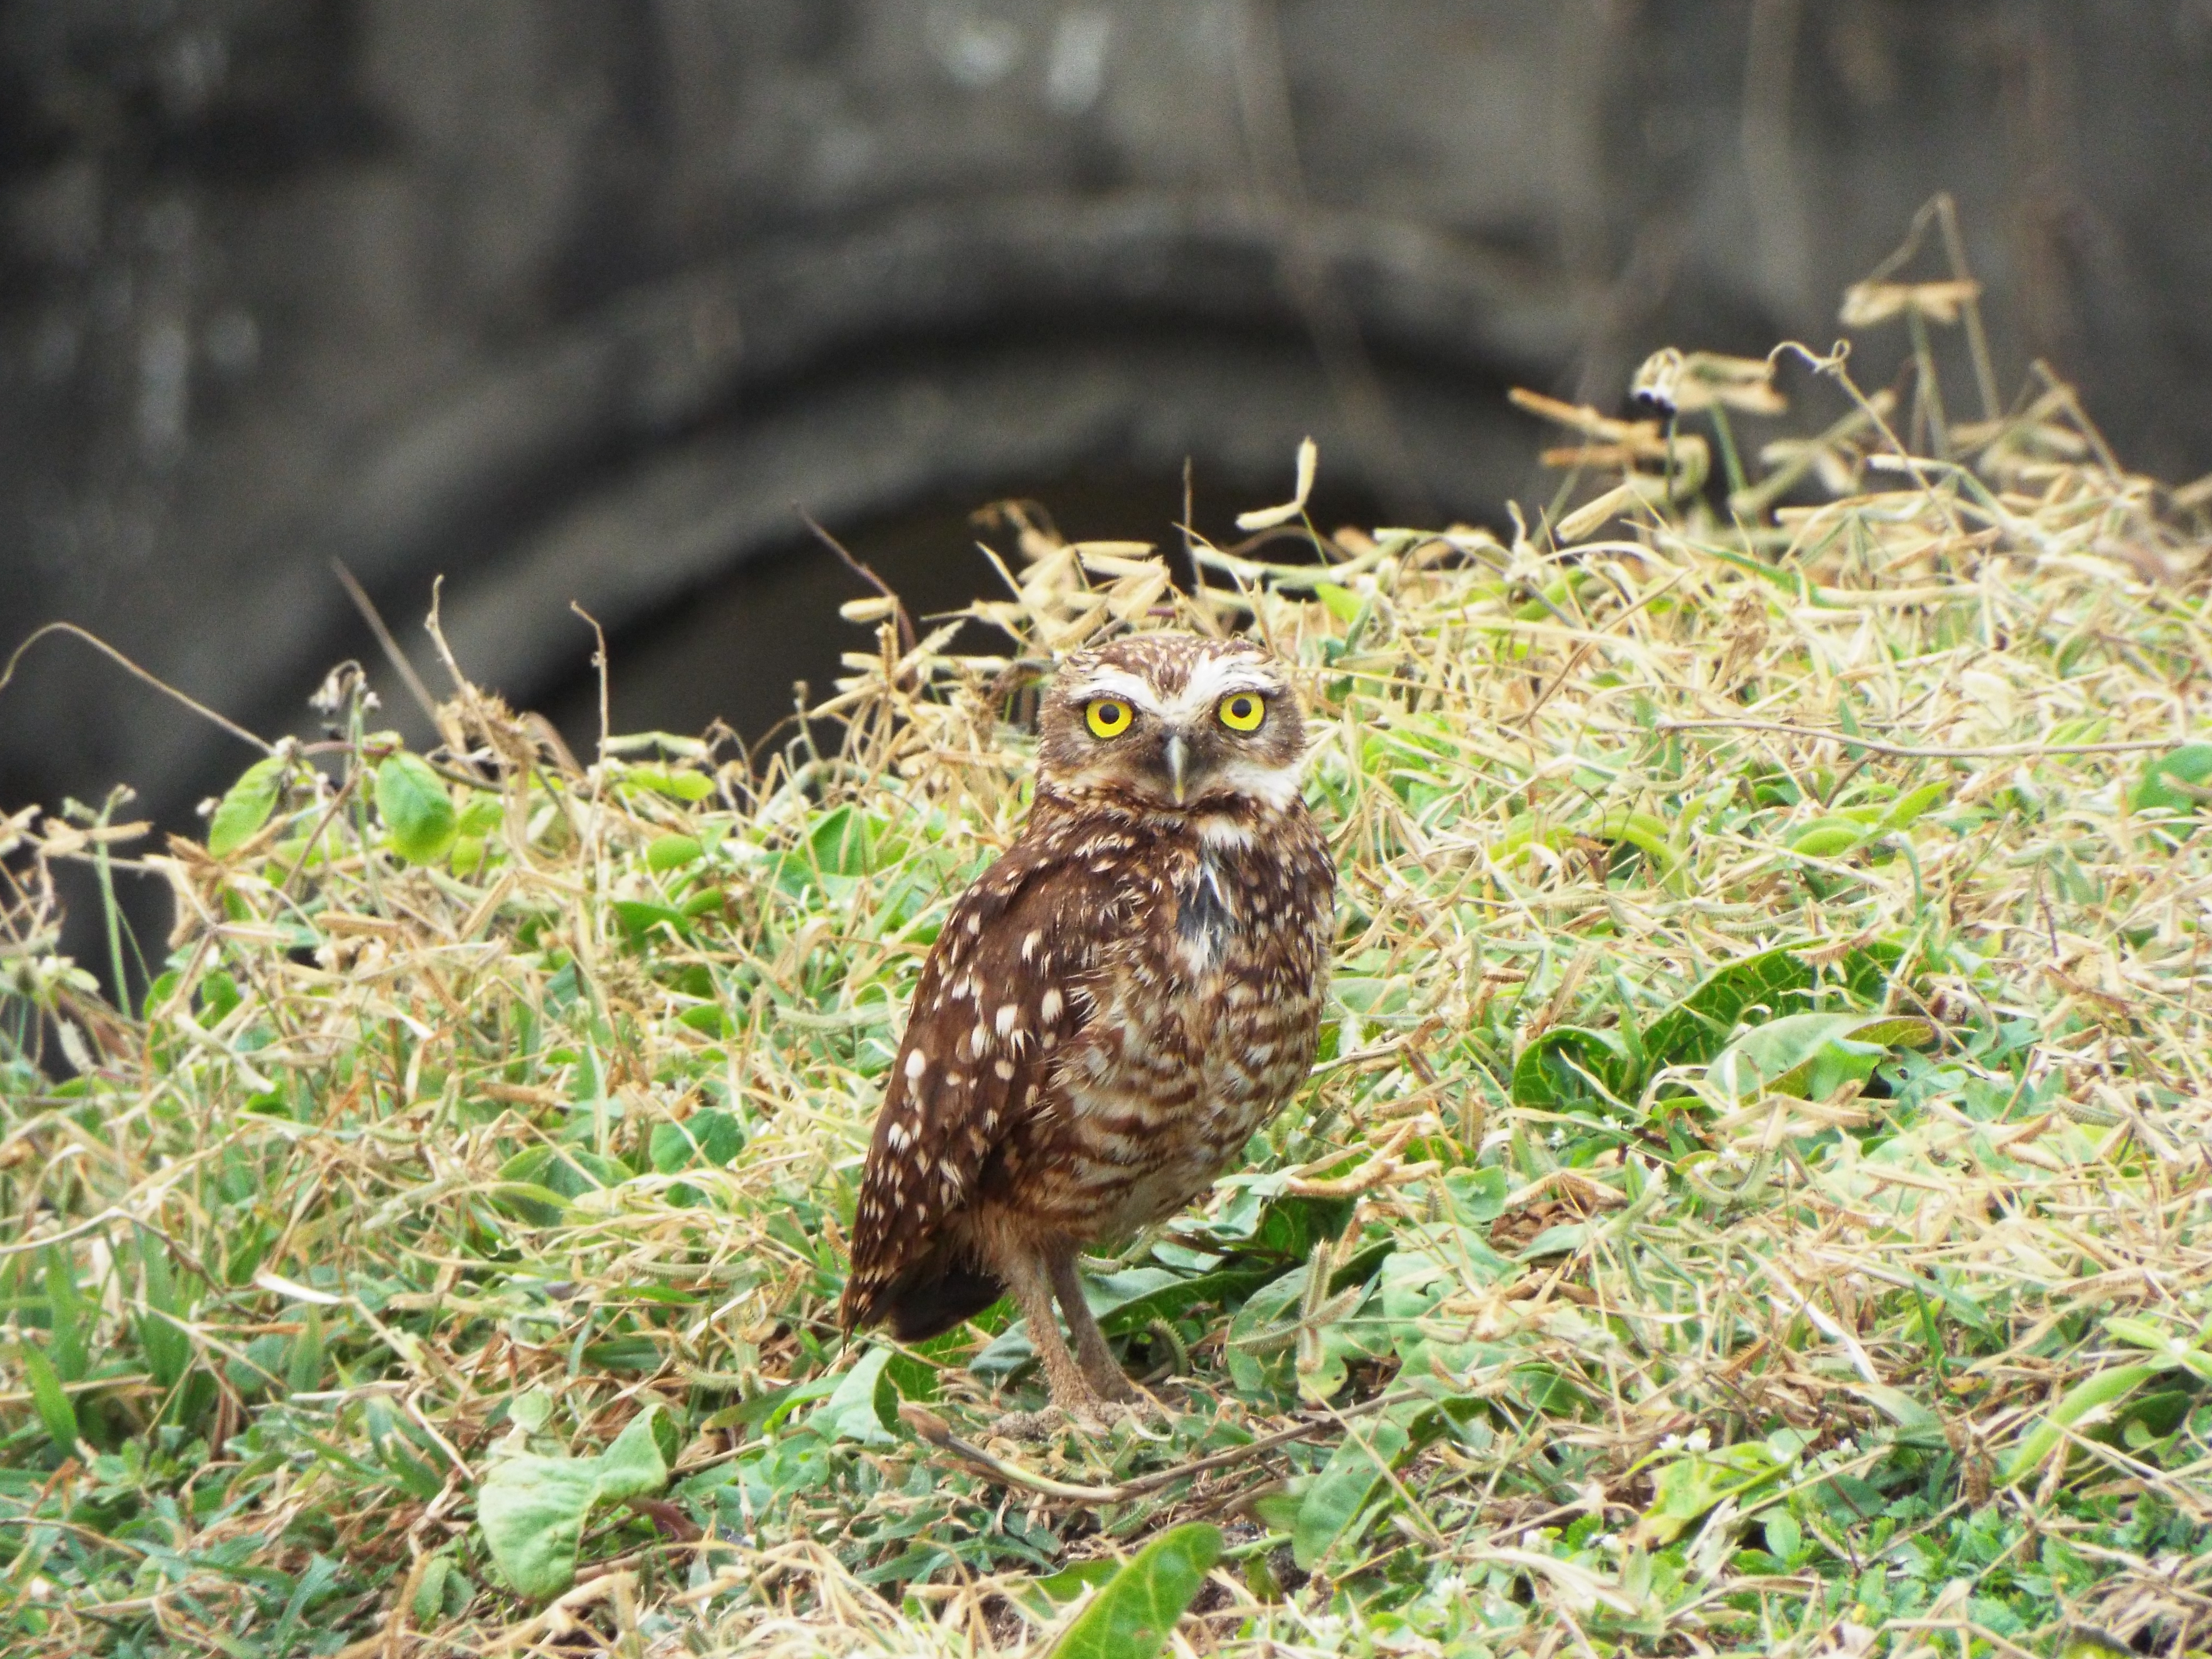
pixel 570 299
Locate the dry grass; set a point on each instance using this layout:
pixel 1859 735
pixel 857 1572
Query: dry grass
pixel 1651 1360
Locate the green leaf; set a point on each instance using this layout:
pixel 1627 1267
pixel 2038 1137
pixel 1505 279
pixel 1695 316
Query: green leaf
pixel 707 1017
pixel 1341 1491
pixel 1809 1055
pixel 303 1371
pixel 1784 1537
pixel 633 1466
pixel 1340 603
pixel 1697 1027
pixel 532 1508
pixel 1917 1424
pixel 843 842
pixel 857 1409
pixel 1130 1618
pixel 672 852
pixel 1569 1068
pixel 1907 807
pixel 2179 780
pixel 1690 1485
pixel 246 806
pixel 640 916
pixel 1641 831
pixel 712 1137
pixel 2083 1402
pixel 1824 838
pixel 67 1317
pixel 169 1349
pixel 418 813
pixel 1046 1595
pixel 2163 1340
pixel 676 784
pixel 50 1398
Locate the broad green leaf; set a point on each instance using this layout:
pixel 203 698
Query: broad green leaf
pixel 672 852
pixel 2081 1403
pixel 1130 1618
pixel 418 810
pixel 1046 1595
pixel 640 916
pixel 1341 602
pixel 48 1398
pixel 2164 1341
pixel 1908 807
pixel 1687 1488
pixel 711 1136
pixel 1641 831
pixel 1809 1055
pixel 673 781
pixel 246 806
pixel 843 842
pixel 1697 1027
pixel 2179 780
pixel 1568 1068
pixel 1824 838
pixel 532 1510
pixel 1342 1488
pixel 634 1465
pixel 568 1172
pixel 1477 1196
pixel 444 1590
pixel 855 1410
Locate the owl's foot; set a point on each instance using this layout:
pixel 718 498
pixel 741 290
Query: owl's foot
pixel 1028 1425
pixel 1090 1414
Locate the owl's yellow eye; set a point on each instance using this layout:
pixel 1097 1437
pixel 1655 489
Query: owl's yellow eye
pixel 1107 717
pixel 1242 711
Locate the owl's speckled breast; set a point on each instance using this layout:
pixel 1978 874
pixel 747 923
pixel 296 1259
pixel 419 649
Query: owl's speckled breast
pixel 1205 1016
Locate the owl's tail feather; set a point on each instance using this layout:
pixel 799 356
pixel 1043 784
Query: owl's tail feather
pixel 919 1309
pixel 928 1300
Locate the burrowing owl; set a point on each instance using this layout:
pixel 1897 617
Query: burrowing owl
pixel 1112 1009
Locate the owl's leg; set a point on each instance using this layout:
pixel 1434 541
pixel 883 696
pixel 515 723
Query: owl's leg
pixel 1096 1358
pixel 1028 1274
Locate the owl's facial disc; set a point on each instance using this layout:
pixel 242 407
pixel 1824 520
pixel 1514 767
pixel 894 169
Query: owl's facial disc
pixel 1215 727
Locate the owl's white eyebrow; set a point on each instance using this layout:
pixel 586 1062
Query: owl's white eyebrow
pixel 1117 683
pixel 1212 680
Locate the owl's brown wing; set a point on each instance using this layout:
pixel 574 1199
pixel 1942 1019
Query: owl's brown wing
pixel 1005 990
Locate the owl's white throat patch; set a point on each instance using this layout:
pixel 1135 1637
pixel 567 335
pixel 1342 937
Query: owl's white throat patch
pixel 1203 916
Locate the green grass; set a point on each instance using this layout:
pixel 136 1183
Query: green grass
pixel 1755 1182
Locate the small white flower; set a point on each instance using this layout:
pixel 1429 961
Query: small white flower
pixel 1556 1138
pixel 1668 1441
pixel 1608 1542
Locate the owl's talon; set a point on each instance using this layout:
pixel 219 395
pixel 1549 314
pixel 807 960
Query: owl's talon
pixel 1029 1425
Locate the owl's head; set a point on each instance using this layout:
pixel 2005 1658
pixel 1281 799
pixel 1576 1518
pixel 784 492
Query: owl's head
pixel 1173 722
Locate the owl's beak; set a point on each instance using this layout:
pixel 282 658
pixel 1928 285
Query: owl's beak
pixel 1177 755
